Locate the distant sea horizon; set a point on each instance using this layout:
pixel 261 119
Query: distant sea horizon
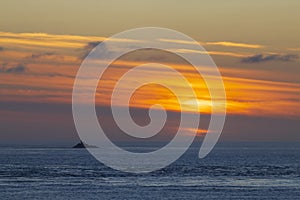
pixel 150 144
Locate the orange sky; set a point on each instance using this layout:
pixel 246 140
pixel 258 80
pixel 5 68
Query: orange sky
pixel 39 67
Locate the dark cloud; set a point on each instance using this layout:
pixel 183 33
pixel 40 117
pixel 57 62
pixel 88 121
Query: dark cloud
pixel 15 69
pixel 22 68
pixel 91 45
pixel 1 48
pixel 88 47
pixel 270 57
pixel 61 75
pixel 38 55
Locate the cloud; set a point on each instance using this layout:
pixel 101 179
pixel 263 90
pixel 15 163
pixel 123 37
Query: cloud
pixel 44 40
pixel 15 69
pixel 178 41
pixel 294 49
pixel 236 44
pixel 1 48
pixel 271 57
pixel 218 53
pixel 22 68
pixel 222 43
pixel 59 74
pixel 39 55
pixel 88 47
pixel 91 45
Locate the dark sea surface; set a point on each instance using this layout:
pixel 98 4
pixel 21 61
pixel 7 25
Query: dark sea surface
pixel 231 171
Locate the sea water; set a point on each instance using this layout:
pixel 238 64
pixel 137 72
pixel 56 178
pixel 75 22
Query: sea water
pixel 230 171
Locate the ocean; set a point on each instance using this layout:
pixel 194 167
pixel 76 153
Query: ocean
pixel 230 171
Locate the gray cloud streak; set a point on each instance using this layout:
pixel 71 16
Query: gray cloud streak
pixel 271 57
pixel 15 69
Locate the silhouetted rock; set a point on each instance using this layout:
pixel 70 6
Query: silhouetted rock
pixel 83 145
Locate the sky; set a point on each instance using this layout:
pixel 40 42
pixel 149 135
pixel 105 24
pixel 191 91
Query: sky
pixel 255 45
